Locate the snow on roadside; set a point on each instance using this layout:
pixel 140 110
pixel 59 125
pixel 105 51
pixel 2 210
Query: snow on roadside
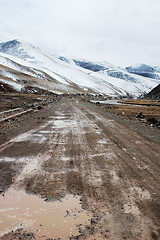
pixel 18 87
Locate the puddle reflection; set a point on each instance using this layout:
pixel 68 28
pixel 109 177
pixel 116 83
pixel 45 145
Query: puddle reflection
pixel 45 219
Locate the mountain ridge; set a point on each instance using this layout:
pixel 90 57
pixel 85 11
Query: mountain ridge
pixel 145 70
pixel 63 75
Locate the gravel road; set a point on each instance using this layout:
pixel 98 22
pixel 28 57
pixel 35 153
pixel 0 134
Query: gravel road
pixel 73 148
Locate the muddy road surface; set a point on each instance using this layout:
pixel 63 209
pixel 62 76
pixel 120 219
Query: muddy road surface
pixel 76 173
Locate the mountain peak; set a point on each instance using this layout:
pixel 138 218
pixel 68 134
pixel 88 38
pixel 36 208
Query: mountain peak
pixel 12 44
pixel 142 67
pixel 4 46
pixel 69 74
pixel 17 48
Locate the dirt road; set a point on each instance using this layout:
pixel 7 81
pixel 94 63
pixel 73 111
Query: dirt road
pixel 101 175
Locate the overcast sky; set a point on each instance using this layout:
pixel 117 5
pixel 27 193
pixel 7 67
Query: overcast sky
pixel 122 32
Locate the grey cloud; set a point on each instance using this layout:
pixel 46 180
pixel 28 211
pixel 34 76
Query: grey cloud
pixel 122 32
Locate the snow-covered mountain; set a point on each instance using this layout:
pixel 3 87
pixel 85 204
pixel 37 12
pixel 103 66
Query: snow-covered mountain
pixel 103 67
pixel 145 71
pixel 22 64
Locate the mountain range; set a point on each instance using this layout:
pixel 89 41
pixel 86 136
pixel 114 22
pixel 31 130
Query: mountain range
pixel 22 64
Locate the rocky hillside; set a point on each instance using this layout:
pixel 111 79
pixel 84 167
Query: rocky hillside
pixel 154 93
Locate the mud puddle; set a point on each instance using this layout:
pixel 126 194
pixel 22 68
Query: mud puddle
pixel 63 218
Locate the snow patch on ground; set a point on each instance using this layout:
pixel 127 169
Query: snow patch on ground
pixel 64 124
pixel 18 87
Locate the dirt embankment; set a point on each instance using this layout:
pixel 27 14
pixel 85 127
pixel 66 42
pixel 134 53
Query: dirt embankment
pixel 140 115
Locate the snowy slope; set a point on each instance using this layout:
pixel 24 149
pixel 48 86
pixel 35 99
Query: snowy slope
pixel 23 64
pixel 154 94
pixel 145 70
pixel 113 71
pixel 129 82
pixel 18 71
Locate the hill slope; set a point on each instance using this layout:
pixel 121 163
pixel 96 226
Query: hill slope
pixel 145 71
pixel 155 93
pixel 22 64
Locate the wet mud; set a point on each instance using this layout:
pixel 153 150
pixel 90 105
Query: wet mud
pixel 55 218
pixel 80 155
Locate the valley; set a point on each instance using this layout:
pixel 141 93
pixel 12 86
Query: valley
pixel 23 65
pixel 79 147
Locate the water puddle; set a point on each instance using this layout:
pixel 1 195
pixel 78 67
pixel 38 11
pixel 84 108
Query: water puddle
pixel 65 159
pixel 106 101
pixel 58 117
pixel 7 159
pixel 102 141
pixel 64 123
pixel 45 219
pixel 38 138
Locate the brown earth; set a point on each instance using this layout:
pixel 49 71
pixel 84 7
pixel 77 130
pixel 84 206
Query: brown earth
pixel 10 99
pixel 74 147
pixel 144 102
pixel 132 108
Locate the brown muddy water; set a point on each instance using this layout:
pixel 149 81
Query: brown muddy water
pixel 55 219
